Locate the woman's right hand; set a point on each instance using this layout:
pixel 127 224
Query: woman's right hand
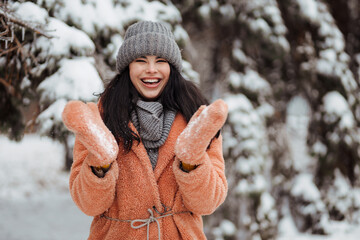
pixel 85 121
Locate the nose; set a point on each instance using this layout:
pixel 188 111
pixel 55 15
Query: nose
pixel 151 68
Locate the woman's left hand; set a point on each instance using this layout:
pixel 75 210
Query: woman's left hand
pixel 192 143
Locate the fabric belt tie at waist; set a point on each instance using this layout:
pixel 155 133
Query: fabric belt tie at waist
pixel 145 222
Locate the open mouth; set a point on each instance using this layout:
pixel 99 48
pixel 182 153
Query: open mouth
pixel 150 81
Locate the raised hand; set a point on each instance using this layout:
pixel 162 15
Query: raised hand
pixel 85 121
pixel 192 143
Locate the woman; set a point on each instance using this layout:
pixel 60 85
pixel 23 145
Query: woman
pixel 148 158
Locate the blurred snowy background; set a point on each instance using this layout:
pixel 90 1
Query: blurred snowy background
pixel 289 71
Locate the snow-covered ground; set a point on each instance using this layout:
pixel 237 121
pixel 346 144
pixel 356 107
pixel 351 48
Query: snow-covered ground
pixel 35 203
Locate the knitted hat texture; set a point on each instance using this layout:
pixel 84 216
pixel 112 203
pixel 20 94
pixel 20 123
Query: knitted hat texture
pixel 148 38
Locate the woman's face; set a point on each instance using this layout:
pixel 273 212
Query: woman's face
pixel 149 75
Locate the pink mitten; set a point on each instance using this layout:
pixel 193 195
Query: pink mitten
pixel 85 121
pixel 192 143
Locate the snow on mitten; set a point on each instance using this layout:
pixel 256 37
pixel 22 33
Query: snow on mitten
pixel 192 143
pixel 85 121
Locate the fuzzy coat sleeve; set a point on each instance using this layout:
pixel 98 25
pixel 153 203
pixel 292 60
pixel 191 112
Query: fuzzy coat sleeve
pixel 205 188
pixel 93 195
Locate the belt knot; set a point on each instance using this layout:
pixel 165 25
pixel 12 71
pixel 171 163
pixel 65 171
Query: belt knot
pixel 139 223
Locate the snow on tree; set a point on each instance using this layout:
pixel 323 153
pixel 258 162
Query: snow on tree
pixel 298 49
pixel 250 209
pixel 80 56
pixel 312 213
pixel 16 62
pixel 333 94
pixel 284 67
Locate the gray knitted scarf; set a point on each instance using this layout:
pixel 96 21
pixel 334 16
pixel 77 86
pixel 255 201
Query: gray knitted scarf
pixel 153 125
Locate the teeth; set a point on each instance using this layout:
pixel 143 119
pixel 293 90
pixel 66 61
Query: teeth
pixel 150 80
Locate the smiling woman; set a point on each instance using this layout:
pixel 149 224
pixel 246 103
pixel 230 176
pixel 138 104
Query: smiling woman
pixel 149 75
pixel 149 154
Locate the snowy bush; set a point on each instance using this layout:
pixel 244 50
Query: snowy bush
pixel 342 200
pixel 263 18
pixel 309 209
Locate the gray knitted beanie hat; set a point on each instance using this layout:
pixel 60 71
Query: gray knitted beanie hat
pixel 148 38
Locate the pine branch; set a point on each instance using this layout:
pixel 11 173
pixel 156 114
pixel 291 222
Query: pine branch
pixel 20 23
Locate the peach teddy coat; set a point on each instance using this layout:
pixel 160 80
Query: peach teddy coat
pixel 131 187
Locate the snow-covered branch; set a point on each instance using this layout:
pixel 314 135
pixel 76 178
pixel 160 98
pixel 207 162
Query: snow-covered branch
pixel 12 20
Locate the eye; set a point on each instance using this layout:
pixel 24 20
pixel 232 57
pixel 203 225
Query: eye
pixel 162 61
pixel 140 60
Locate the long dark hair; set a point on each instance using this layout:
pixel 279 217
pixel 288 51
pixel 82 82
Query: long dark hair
pixel 119 98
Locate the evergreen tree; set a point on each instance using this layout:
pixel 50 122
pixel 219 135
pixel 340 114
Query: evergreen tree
pixel 289 71
pixel 266 55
